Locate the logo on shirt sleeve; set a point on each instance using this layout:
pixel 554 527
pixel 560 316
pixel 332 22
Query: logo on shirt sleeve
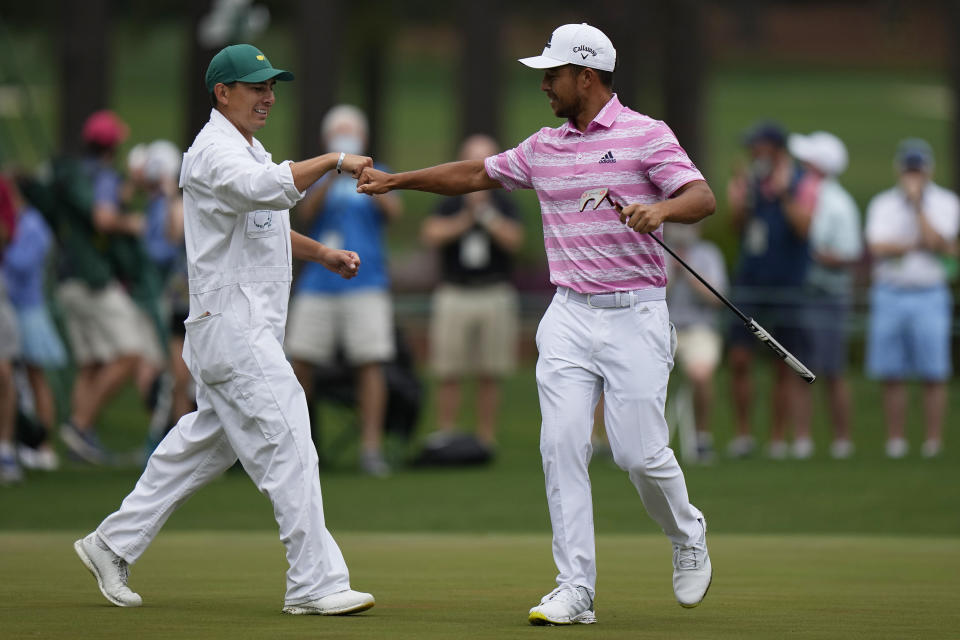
pixel 608 158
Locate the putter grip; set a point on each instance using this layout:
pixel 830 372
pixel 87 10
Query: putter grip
pixel 765 337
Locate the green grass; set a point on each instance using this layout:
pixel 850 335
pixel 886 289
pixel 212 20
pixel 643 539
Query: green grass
pixel 230 585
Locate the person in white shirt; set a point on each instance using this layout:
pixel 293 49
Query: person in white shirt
pixel 832 226
pixel 249 405
pixel 911 231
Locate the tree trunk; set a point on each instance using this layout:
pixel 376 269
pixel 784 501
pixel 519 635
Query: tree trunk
pixel 481 77
pixel 319 28
pixel 85 70
pixel 685 75
pixel 198 57
pixel 952 24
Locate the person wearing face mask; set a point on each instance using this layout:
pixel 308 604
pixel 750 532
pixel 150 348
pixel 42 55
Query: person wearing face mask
pixel 911 235
pixel 774 257
pixel 358 312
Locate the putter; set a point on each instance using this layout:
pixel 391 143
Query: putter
pixel 599 195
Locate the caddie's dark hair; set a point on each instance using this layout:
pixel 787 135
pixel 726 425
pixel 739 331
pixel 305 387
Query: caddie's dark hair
pixel 605 77
pixel 213 95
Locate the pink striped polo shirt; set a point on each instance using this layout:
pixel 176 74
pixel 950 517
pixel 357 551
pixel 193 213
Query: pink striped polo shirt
pixel 636 157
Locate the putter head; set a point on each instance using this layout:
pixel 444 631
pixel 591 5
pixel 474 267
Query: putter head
pixel 596 195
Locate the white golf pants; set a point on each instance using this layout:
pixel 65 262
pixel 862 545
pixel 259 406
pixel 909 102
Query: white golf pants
pixel 625 352
pixel 260 415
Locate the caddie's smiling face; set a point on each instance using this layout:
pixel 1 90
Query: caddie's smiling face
pixel 246 104
pixel 562 88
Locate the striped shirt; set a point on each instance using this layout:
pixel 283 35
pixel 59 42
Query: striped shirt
pixel 636 157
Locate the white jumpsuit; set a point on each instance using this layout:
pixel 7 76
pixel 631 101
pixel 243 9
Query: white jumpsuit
pixel 249 403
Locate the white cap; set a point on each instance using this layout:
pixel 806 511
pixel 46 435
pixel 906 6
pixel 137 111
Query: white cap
pixel 137 158
pixel 823 150
pixel 163 161
pixel 578 44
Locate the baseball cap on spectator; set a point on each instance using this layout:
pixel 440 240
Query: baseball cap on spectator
pixel 823 150
pixel 241 63
pixel 914 154
pixel 105 129
pixel 766 131
pixel 579 44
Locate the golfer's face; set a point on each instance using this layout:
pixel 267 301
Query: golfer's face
pixel 249 104
pixel 560 85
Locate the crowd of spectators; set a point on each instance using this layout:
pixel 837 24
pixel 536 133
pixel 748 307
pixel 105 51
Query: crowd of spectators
pixel 95 282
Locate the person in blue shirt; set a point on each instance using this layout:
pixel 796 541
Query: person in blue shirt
pixel 769 280
pixel 24 269
pixel 357 313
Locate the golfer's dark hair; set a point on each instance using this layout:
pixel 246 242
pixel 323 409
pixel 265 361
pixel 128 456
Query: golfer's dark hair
pixel 605 77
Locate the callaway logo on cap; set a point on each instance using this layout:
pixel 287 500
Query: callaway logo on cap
pixel 578 44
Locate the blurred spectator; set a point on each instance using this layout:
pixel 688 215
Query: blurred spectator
pixel 774 257
pixel 693 311
pixel 104 327
pixel 475 321
pixel 327 312
pixel 9 349
pixel 910 229
pixel 24 269
pixel 836 245
pixel 157 171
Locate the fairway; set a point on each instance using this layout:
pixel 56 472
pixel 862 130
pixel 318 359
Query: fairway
pixel 230 585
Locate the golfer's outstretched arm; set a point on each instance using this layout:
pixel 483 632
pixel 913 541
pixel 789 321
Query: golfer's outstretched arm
pixel 450 179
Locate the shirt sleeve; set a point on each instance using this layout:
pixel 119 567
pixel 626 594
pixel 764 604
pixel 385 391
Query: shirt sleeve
pixel 242 184
pixel 947 222
pixel 667 165
pixel 106 189
pixel 512 167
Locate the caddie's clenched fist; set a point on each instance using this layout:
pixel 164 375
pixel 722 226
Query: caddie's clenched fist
pixel 354 165
pixel 373 181
pixel 344 263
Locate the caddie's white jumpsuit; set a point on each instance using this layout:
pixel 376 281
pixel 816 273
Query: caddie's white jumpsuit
pixel 249 403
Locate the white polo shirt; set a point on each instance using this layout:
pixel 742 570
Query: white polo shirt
pixel 892 219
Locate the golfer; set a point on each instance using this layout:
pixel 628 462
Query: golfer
pixel 249 404
pixel 607 328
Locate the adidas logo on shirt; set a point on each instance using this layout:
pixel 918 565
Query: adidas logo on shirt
pixel 607 158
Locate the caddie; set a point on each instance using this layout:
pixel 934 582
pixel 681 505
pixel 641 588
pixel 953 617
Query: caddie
pixel 607 328
pixel 249 404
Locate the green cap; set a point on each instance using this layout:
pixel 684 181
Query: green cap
pixel 241 63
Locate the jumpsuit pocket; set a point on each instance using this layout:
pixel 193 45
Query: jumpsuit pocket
pixel 261 224
pixel 208 338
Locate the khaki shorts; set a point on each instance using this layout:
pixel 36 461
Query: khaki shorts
pixel 362 323
pixel 104 324
pixel 474 330
pixel 698 346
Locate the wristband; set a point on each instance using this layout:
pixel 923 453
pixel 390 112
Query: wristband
pixel 340 161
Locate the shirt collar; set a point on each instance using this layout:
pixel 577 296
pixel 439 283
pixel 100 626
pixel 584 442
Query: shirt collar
pixel 225 126
pixel 604 118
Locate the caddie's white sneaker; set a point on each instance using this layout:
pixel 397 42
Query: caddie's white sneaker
pixel 802 449
pixel 340 603
pixel 109 569
pixel 692 572
pixel 566 604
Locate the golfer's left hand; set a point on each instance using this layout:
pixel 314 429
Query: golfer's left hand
pixel 344 263
pixel 642 218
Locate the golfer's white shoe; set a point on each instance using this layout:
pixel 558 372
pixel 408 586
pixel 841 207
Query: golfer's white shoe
pixel 566 604
pixel 110 570
pixel 692 572
pixel 340 603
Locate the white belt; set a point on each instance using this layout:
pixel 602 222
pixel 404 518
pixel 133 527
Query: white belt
pixel 614 299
